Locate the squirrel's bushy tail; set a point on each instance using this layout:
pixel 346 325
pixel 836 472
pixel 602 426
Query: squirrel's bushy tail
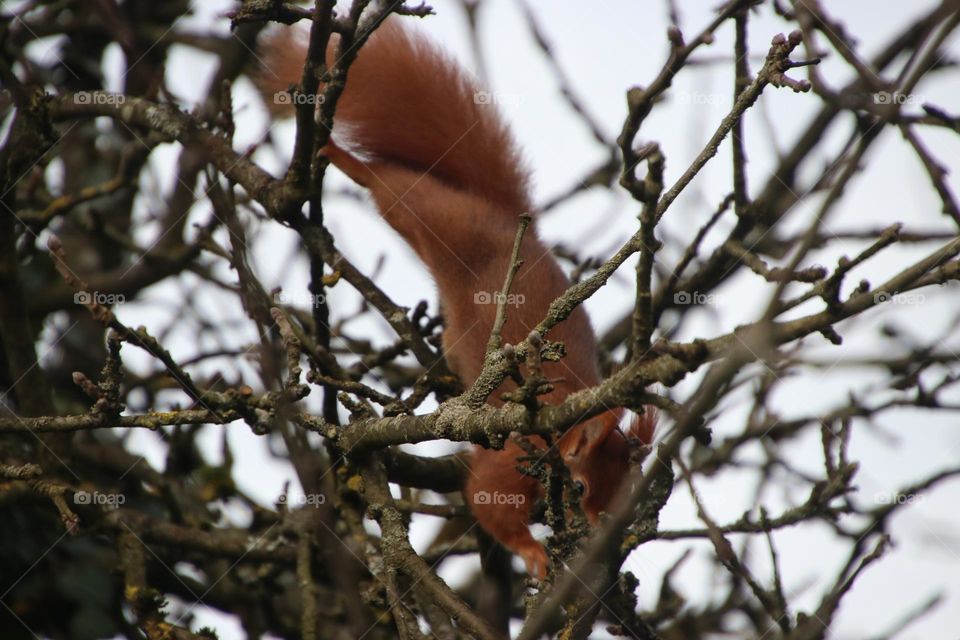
pixel 409 103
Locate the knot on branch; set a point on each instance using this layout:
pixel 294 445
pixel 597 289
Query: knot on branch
pixel 778 62
pixel 292 347
pixel 675 36
pixel 692 353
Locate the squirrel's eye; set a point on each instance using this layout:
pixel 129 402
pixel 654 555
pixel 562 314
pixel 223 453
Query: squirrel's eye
pixel 579 486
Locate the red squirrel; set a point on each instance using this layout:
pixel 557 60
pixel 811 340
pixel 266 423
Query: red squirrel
pixel 415 129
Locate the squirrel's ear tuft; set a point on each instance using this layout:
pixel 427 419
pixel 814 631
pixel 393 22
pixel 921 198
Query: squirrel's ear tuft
pixel 584 437
pixel 599 429
pixel 643 426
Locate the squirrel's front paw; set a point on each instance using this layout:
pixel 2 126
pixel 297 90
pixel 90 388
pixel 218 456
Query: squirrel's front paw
pixel 535 557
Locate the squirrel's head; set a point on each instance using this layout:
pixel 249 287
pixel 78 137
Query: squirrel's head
pixel 597 453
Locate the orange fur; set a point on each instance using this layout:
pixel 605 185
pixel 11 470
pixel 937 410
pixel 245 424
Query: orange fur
pixel 445 173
